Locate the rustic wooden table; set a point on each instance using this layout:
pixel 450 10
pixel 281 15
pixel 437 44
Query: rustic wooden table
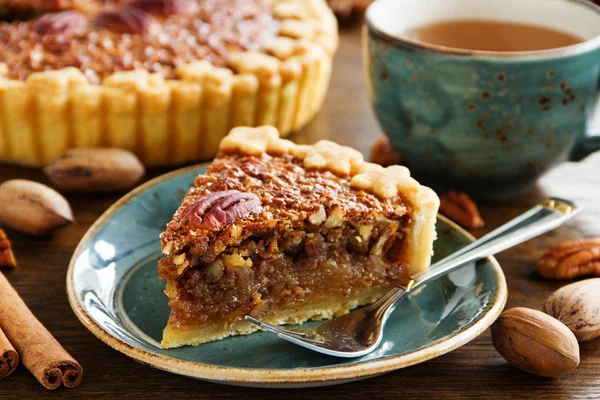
pixel 474 371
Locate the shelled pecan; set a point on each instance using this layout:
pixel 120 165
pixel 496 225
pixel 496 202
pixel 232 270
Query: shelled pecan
pixel 571 259
pixel 384 153
pixel 66 23
pixel 126 20
pixel 347 10
pixel 166 7
pixel 7 257
pixel 461 209
pixel 217 209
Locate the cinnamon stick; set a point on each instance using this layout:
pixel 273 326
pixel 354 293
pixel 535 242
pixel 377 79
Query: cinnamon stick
pixel 9 359
pixel 40 352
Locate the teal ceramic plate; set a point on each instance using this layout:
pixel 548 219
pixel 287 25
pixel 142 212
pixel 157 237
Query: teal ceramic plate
pixel 114 289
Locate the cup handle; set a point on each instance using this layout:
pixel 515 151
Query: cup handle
pixel 589 143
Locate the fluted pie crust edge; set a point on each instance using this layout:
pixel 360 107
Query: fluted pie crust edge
pixel 171 122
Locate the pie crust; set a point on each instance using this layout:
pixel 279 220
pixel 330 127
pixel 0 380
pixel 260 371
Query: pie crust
pixel 317 232
pixel 173 121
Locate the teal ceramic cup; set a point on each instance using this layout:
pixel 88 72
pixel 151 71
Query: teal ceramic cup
pixel 488 123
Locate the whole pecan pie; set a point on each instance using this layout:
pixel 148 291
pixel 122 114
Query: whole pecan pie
pixel 165 78
pixel 287 233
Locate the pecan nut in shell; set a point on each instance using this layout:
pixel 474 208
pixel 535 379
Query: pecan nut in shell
pixel 535 343
pixel 33 208
pixel 578 307
pixel 95 170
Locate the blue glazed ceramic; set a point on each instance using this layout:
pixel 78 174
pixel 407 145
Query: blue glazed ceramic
pixel 114 289
pixel 488 123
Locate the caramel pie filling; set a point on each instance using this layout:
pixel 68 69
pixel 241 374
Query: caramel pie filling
pixel 282 270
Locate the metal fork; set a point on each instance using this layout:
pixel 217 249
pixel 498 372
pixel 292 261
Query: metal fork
pixel 360 331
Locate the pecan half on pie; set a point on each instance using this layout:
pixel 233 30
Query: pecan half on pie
pixel 165 78
pixel 288 233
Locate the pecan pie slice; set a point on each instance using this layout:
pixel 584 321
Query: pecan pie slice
pixel 165 78
pixel 288 233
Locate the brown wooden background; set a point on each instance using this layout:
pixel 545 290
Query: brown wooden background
pixel 474 371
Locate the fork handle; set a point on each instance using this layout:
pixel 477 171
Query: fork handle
pixel 542 218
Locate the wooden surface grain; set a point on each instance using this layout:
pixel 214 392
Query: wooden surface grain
pixel 475 371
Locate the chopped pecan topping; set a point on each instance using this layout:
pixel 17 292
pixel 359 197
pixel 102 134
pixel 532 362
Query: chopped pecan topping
pixel 126 20
pixel 461 209
pixel 167 7
pixel 217 209
pixel 571 259
pixel 7 257
pixel 66 23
